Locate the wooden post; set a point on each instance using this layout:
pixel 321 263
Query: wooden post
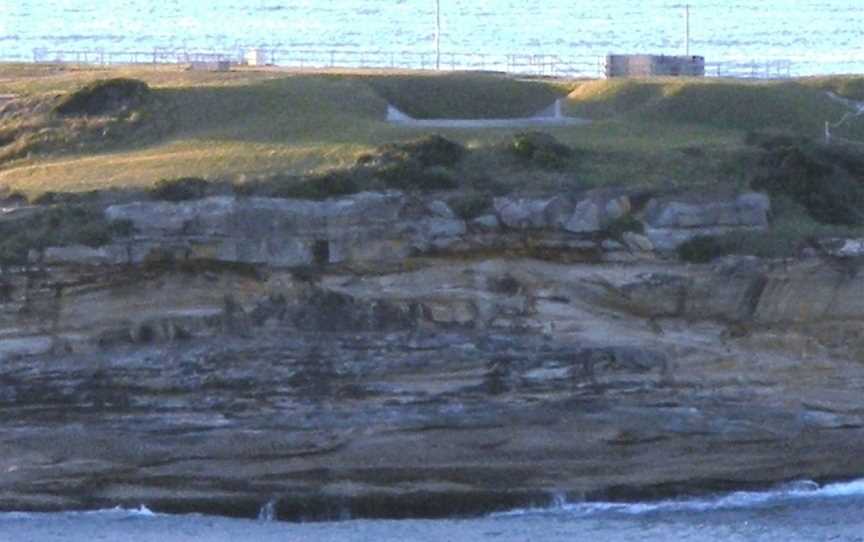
pixel 687 30
pixel 438 34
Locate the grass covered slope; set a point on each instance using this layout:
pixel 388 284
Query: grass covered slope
pixel 254 123
pixel 223 125
pixel 799 106
pixel 466 95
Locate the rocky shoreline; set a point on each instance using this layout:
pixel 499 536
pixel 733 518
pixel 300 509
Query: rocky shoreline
pixel 379 356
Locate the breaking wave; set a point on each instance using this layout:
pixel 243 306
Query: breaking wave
pixel 804 490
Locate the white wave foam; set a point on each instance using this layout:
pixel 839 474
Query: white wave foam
pixel 794 491
pixel 117 512
pixel 845 489
pixel 268 511
pixel 141 511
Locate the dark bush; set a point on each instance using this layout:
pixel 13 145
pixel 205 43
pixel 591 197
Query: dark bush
pixel 505 285
pixel 436 178
pixel 771 141
pixel 181 189
pixel 621 225
pixel 470 206
pixel 434 151
pixel 13 199
pixel 417 165
pixel 486 183
pixel 540 149
pixel 103 97
pixel 408 177
pixel 72 198
pixel 827 180
pixel 426 151
pixel 704 248
pixel 318 187
pixel 57 226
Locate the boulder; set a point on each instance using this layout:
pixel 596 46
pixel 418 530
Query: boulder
pixel 618 207
pixel 747 210
pixel 77 255
pixel 637 242
pixel 209 216
pixel 369 226
pixel 522 213
pixel 486 223
pixel 440 209
pixel 657 294
pixel 843 248
pixel 731 292
pixel 25 346
pixel 811 291
pixel 586 218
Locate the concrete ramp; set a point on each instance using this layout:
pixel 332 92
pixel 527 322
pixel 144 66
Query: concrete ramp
pixel 548 116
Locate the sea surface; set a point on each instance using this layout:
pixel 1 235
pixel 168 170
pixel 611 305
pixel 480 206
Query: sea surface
pixel 817 36
pixel 797 512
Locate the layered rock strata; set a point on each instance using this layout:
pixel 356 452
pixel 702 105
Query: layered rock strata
pixel 378 356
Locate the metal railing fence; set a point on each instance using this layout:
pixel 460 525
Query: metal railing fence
pixel 526 64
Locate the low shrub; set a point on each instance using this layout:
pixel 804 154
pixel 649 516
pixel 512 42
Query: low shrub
pixel 318 187
pixel 409 176
pixel 540 149
pixel 505 285
pixel 57 226
pixel 704 248
pixel 103 97
pixel 470 206
pixel 13 199
pixel 180 189
pixel 64 198
pixel 427 151
pixel 623 224
pixel 827 180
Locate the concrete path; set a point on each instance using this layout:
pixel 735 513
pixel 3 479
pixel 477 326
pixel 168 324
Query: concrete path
pixel 551 116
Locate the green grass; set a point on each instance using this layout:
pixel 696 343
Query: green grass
pixel 799 106
pixel 253 123
pixel 472 95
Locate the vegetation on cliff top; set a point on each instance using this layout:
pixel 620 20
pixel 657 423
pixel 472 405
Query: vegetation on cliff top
pixel 248 125
pixel 795 106
pixel 56 226
pixel 104 97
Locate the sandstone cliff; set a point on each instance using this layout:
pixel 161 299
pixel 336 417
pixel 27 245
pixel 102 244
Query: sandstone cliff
pixel 379 356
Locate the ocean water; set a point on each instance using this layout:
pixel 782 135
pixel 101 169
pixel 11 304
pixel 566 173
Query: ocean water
pixel 817 36
pixel 798 512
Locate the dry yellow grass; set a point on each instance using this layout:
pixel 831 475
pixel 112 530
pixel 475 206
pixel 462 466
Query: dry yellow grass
pixel 139 168
pixel 261 121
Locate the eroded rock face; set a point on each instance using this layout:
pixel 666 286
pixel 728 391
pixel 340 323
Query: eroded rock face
pixel 460 382
pixel 288 233
pixel 749 209
pixel 375 228
pixel 172 371
pixel 671 222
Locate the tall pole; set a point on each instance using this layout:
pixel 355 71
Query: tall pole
pixel 438 34
pixel 687 31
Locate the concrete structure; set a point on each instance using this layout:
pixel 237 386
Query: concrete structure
pixel 549 116
pixel 255 57
pixel 210 65
pixel 649 65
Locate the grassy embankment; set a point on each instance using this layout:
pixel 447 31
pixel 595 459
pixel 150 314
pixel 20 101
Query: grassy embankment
pixel 224 125
pixel 247 124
